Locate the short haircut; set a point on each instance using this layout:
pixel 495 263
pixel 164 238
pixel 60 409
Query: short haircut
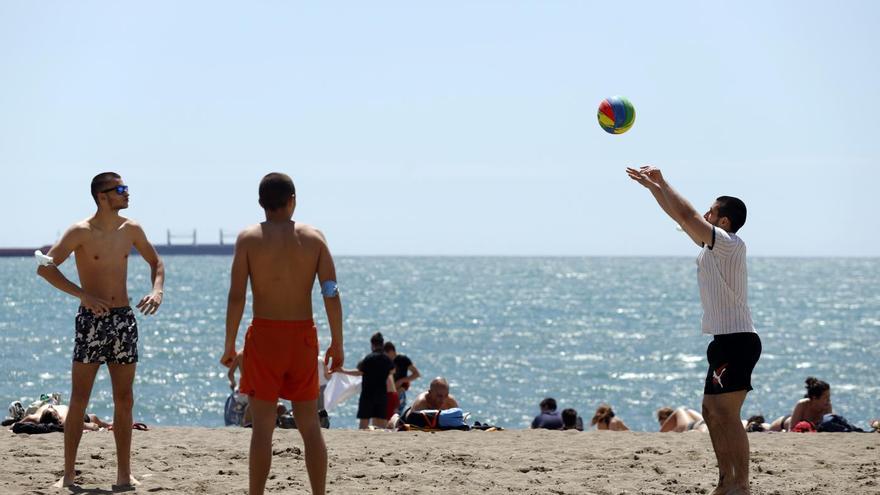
pixel 101 181
pixel 815 387
pixel 377 340
pixel 734 209
pixel 275 190
pixel 548 404
pixel 47 418
pixel 439 382
pixel 389 347
pixel 569 418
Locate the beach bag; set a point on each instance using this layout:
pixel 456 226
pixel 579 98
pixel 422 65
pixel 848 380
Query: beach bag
pixel 447 419
pixel 452 419
pixel 233 413
pixel 803 427
pixel 833 423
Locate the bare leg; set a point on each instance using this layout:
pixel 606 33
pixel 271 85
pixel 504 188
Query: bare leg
pixel 709 417
pixel 363 423
pixel 98 421
pixel 264 414
pixel 82 378
pixel 306 415
pixel 122 378
pixel 730 441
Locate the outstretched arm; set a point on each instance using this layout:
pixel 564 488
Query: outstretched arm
pixel 150 303
pixel 59 254
pixel 236 301
pixel 675 205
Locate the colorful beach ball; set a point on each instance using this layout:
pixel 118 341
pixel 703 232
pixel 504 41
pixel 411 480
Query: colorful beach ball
pixel 616 115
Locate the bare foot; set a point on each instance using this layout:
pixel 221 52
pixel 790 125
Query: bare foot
pixel 65 481
pixel 738 490
pixel 730 490
pixel 122 482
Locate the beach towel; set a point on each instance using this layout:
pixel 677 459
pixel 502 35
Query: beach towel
pixel 35 428
pixel 833 423
pixel 339 388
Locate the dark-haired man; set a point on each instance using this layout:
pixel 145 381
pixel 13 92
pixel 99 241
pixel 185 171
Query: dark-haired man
pixel 736 347
pixel 375 368
pixel 549 419
pixel 404 373
pixel 106 330
pixel 282 258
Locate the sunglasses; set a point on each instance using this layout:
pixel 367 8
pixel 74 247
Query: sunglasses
pixel 120 190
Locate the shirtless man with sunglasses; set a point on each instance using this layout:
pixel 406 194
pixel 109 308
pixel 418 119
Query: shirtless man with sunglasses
pixel 106 330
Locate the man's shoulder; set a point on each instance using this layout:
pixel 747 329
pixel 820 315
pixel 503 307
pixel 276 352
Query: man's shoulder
pixel 309 232
pixel 249 234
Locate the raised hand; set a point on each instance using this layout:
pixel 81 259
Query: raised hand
pixel 653 173
pixel 641 177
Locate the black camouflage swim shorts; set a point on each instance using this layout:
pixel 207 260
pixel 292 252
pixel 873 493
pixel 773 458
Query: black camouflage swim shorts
pixel 109 338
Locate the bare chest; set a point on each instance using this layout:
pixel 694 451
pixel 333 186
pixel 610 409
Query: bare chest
pixel 102 249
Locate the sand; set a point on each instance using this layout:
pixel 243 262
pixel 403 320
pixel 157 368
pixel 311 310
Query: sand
pixel 214 461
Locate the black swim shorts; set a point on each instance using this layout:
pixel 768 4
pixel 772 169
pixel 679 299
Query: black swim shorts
pixel 110 338
pixel 732 357
pixel 372 406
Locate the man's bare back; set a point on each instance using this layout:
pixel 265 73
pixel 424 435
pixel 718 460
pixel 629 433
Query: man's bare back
pixel 282 259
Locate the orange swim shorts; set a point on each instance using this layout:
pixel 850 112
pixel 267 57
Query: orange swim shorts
pixel 280 360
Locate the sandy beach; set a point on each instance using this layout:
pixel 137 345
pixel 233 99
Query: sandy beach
pixel 214 461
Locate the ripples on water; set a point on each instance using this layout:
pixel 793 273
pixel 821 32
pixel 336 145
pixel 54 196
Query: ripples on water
pixel 506 332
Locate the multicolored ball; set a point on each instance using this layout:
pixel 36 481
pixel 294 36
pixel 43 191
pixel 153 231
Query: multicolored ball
pixel 616 115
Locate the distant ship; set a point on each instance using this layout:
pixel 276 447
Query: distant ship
pixel 167 248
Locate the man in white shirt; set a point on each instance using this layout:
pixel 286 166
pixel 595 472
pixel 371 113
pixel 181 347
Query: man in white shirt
pixel 736 347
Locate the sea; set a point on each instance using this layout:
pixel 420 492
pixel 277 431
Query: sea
pixel 505 331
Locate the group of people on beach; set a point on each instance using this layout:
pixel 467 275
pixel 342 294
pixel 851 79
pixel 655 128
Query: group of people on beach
pixel 281 259
pixel 808 415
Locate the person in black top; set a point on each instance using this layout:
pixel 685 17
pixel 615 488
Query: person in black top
pixel 374 368
pixel 404 373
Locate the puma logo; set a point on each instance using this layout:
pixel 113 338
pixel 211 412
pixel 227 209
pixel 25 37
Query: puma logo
pixel 717 373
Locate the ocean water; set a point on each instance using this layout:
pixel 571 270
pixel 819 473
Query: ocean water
pixel 506 332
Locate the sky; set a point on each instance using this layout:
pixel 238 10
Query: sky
pixel 456 128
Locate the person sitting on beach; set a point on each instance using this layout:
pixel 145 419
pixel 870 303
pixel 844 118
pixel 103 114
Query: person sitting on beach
pixel 549 419
pixel 437 397
pixel 52 414
pixel 815 404
pixel 571 420
pixel 680 420
pixel 604 419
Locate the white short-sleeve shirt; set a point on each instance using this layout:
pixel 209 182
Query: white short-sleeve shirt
pixel 723 280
